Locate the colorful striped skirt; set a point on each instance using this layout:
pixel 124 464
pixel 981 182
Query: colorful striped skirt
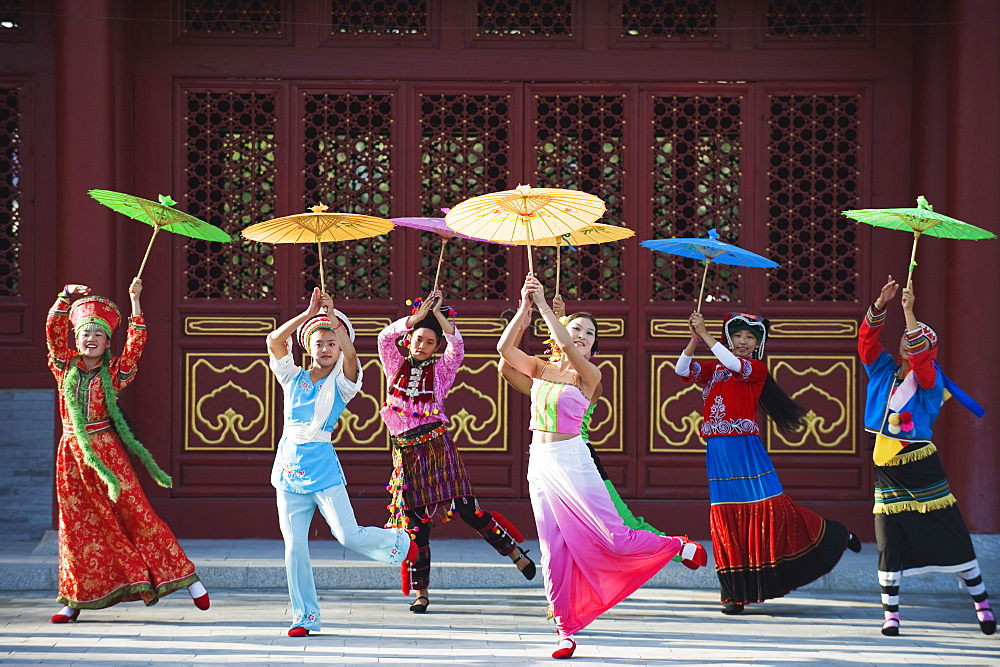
pixel 918 526
pixel 427 471
pixel 764 544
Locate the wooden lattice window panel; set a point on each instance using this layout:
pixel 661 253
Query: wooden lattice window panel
pixel 813 175
pixel 464 152
pixel 696 160
pixel 669 19
pixel 394 18
pixel 231 177
pixel 525 18
pixel 580 145
pixel 245 18
pixel 818 19
pixel 10 191
pixel 347 141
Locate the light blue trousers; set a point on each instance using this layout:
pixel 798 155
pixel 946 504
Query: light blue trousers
pixel 295 513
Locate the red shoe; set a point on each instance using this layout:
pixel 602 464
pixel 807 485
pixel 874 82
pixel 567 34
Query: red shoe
pixel 565 649
pixel 63 618
pixel 298 631
pixel 202 602
pixel 693 555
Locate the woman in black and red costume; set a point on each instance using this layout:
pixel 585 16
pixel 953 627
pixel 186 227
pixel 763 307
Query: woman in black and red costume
pixel 765 545
pixel 429 477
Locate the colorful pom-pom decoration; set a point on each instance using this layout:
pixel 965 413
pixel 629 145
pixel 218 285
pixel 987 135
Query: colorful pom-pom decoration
pixel 894 429
pixel 436 411
pixel 906 426
pixel 906 416
pixel 894 419
pixel 409 302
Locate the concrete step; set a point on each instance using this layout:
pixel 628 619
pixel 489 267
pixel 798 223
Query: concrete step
pixel 458 564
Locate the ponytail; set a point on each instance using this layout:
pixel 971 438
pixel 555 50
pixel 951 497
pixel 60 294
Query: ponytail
pixel 786 414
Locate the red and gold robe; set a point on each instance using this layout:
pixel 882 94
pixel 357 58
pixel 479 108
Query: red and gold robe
pixel 109 551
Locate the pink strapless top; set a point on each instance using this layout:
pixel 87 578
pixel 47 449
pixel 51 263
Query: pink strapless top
pixel 557 408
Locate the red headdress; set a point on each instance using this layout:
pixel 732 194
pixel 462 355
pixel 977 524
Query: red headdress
pixel 95 310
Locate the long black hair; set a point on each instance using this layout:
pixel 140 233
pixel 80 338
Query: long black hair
pixel 784 411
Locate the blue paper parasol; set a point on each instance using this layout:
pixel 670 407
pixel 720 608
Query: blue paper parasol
pixel 710 250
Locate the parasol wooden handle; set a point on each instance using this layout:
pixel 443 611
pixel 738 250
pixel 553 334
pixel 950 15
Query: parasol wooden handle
pixel 322 269
pixel 156 230
pixel 913 260
pixel 704 276
pixel 531 266
pixel 558 266
pixel 440 260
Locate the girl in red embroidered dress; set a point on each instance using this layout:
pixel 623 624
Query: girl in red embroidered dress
pixel 112 546
pixel 764 544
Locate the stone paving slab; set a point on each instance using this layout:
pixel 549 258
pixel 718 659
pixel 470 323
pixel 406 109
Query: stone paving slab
pixel 494 627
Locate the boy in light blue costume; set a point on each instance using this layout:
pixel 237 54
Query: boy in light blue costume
pixel 307 473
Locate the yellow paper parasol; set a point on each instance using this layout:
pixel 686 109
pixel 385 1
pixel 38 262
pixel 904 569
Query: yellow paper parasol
pixel 318 227
pixel 524 215
pixel 590 235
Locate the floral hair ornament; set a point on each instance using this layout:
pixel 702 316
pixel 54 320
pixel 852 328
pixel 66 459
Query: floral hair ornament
pixel 415 308
pixel 755 324
pixel 552 347
pixel 95 310
pixel 429 322
pixel 322 321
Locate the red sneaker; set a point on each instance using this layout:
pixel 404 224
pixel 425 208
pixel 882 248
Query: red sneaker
pixel 298 631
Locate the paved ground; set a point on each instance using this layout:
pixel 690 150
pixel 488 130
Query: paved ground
pixel 488 627
pixel 483 612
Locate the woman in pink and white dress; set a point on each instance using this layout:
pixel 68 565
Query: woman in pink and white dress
pixel 590 559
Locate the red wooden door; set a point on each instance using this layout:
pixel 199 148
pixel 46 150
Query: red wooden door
pixel 720 133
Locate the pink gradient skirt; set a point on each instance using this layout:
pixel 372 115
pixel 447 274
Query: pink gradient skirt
pixel 591 560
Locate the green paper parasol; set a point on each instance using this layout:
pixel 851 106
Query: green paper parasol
pixel 161 215
pixel 919 220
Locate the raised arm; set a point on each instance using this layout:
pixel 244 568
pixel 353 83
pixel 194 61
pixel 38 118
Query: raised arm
pixel 918 346
pixel 277 340
pixel 134 290
pixel 721 352
pixel 57 328
pixel 869 348
pixel 435 297
pixel 507 346
pixel 126 365
pixel 588 372
pixel 515 378
pixel 347 349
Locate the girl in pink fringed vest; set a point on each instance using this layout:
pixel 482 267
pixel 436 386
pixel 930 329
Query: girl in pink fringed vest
pixel 428 476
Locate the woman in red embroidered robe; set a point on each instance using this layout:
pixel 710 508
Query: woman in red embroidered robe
pixel 112 546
